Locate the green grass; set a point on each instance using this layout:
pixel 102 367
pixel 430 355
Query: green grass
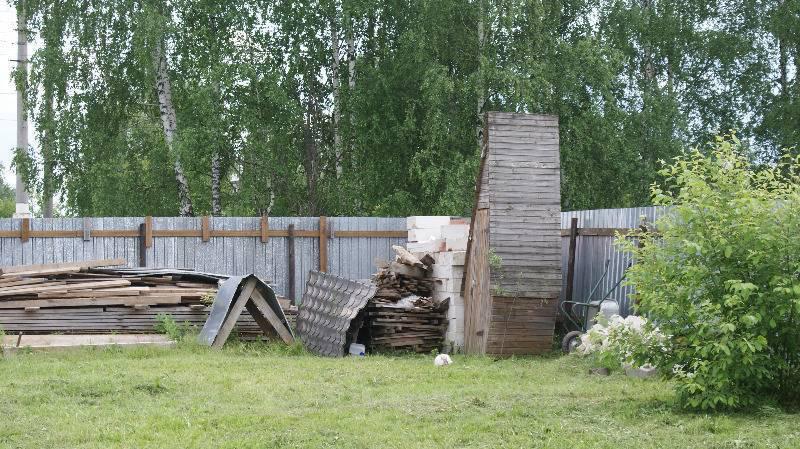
pixel 256 396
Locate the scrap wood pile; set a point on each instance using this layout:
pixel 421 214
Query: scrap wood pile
pixel 85 297
pixel 402 315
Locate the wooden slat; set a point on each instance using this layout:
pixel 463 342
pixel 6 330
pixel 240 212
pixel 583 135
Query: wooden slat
pixel 323 244
pixel 264 228
pixel 148 231
pixel 25 229
pixel 205 228
pixel 19 270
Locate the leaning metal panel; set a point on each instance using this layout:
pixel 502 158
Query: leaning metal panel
pixel 328 318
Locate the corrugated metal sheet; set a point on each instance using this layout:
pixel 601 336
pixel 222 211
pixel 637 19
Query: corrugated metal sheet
pixel 327 318
pixel 592 252
pixel 350 257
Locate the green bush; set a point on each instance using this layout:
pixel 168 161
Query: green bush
pixel 721 276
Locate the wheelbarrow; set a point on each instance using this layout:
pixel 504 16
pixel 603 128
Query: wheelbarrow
pixel 582 314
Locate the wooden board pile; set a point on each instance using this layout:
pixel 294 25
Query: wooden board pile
pixel 402 316
pixel 83 297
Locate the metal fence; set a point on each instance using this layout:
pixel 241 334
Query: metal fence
pixel 593 251
pixel 226 245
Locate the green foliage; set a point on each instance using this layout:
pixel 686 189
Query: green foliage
pixel 166 324
pixel 723 277
pixel 8 202
pixel 254 84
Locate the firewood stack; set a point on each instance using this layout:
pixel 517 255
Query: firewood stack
pixel 402 316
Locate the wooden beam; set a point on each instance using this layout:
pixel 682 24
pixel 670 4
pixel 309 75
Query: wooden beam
pixel 233 314
pixel 25 230
pixel 264 229
pixel 205 228
pixel 148 231
pixel 290 262
pixel 573 240
pixel 384 234
pixel 142 246
pixel 267 312
pixel 32 269
pixel 323 244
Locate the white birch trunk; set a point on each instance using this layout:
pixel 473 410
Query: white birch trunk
pixel 336 84
pixel 170 124
pixel 216 174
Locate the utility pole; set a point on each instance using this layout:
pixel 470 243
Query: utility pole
pixel 23 209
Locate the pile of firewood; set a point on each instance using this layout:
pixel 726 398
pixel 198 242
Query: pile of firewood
pixel 402 315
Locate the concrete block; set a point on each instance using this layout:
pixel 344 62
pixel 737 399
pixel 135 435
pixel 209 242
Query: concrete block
pixel 423 222
pixel 423 235
pixel 456 244
pixel 430 246
pixel 455 231
pixel 456 258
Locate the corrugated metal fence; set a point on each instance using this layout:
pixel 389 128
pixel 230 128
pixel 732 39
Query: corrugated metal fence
pixel 592 251
pixel 351 256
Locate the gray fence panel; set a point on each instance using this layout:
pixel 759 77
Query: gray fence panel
pixel 349 257
pixel 592 252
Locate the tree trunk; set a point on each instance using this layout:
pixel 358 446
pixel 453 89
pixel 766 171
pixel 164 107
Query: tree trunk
pixel 336 85
pixel 481 94
pixel 310 162
pixel 216 174
pixel 170 124
pixel 48 155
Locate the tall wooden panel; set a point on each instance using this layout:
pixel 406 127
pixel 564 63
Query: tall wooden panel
pixel 519 188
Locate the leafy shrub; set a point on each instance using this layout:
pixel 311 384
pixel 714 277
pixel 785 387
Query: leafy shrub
pixel 721 276
pixel 167 325
pixel 619 341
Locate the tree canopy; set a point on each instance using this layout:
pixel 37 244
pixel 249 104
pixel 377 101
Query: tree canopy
pixel 356 107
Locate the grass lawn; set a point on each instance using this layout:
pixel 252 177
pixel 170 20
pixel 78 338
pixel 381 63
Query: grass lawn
pixel 258 396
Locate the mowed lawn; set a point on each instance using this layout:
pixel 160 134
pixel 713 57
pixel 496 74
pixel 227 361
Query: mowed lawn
pixel 258 396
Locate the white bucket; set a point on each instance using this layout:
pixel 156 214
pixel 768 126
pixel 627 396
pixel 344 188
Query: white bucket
pixel 357 349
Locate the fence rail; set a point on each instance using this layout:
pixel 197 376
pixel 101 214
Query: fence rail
pixel 281 250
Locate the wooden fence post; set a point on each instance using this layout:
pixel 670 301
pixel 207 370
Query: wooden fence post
pixel 205 228
pixel 290 261
pixel 148 231
pixel 142 246
pixel 264 229
pixel 323 244
pixel 573 240
pixel 25 230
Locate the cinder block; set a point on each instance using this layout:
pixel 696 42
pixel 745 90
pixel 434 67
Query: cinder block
pixel 423 235
pixel 456 244
pixel 455 231
pixel 430 246
pixel 455 258
pixel 423 222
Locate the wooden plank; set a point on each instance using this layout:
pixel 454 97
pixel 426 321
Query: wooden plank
pixel 24 270
pixel 379 234
pixel 264 228
pixel 25 229
pixel 266 311
pixel 148 231
pixel 71 287
pixel 89 301
pixel 323 244
pixel 233 314
pixel 290 261
pixel 205 229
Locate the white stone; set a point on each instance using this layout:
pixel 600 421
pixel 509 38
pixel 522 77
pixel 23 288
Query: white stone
pixel 456 244
pixel 455 231
pixel 429 246
pixel 424 221
pixel 423 235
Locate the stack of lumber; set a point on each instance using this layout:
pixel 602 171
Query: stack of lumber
pixel 83 284
pixel 83 297
pixel 402 316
